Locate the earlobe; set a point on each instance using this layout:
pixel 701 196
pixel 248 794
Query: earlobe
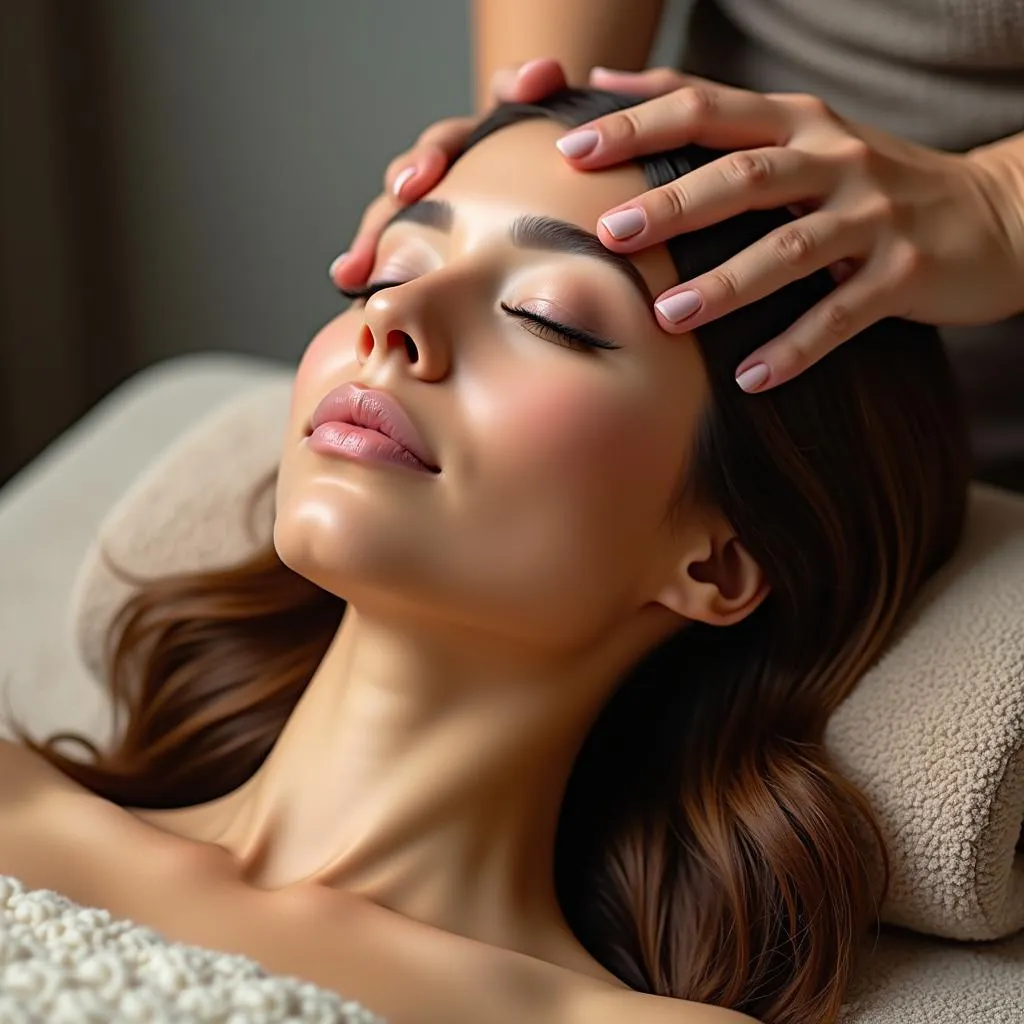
pixel 716 581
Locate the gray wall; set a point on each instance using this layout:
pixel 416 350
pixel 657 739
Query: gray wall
pixel 250 136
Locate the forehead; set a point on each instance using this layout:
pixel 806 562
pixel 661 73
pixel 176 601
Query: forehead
pixel 517 170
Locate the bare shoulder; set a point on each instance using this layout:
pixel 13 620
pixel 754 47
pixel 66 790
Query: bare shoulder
pixel 25 778
pixel 612 1006
pixel 15 761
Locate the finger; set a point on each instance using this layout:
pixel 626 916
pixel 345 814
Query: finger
pixel 531 82
pixel 652 82
pixel 415 172
pixel 449 134
pixel 351 269
pixel 754 179
pixel 712 115
pixel 784 255
pixel 414 176
pixel 854 306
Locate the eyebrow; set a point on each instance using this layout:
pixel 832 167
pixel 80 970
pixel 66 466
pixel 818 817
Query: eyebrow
pixel 531 232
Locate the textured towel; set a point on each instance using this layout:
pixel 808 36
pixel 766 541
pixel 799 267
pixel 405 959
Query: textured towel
pixel 933 733
pixel 61 963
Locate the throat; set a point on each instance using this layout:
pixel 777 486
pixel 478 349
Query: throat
pixel 414 776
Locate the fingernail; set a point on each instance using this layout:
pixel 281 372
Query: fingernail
pixel 403 177
pixel 625 222
pixel 753 377
pixel 336 265
pixel 578 143
pixel 530 64
pixel 600 70
pixel 679 306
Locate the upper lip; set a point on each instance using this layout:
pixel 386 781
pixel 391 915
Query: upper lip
pixel 364 407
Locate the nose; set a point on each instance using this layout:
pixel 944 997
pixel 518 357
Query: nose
pixel 400 323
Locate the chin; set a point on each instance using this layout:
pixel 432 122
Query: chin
pixel 325 547
pixel 352 547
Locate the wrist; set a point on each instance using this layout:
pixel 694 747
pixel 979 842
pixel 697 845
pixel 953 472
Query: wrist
pixel 1000 173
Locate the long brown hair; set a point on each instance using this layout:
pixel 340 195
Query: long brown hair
pixel 708 849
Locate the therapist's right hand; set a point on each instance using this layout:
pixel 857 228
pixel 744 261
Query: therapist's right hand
pixel 416 171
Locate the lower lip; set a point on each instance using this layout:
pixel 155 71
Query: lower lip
pixel 361 443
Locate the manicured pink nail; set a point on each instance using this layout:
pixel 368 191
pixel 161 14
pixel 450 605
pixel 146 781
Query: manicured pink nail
pixel 624 223
pixel 753 377
pixel 679 306
pixel 336 265
pixel 578 144
pixel 403 177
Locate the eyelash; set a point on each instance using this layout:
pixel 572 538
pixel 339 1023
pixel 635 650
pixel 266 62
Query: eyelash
pixel 550 330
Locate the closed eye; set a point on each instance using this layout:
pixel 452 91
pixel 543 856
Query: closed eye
pixel 560 334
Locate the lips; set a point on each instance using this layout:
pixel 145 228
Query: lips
pixel 373 410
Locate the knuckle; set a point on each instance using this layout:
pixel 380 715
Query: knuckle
pixel 807 103
pixel 794 356
pixel 695 101
pixel 623 127
pixel 792 246
pixel 854 152
pixel 747 168
pixel 722 283
pixel 837 320
pixel 907 261
pixel 881 209
pixel 672 202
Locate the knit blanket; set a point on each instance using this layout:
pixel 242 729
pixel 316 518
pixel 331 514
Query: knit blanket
pixel 61 963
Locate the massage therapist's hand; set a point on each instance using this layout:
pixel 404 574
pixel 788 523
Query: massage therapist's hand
pixel 416 171
pixel 906 231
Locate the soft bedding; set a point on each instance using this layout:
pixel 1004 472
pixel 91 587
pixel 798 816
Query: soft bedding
pixel 61 963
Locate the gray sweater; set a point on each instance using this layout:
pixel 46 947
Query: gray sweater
pixel 947 73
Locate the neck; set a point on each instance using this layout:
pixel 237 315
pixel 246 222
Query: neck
pixel 426 773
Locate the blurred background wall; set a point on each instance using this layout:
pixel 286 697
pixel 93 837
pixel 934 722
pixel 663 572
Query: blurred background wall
pixel 177 175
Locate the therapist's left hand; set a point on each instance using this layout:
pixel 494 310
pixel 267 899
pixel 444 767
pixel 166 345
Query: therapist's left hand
pixel 906 231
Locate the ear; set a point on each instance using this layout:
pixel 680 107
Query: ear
pixel 715 579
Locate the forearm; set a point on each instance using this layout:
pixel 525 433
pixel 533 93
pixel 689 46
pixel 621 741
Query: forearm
pixel 579 33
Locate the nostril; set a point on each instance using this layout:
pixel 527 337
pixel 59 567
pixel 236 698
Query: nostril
pixel 401 338
pixel 364 344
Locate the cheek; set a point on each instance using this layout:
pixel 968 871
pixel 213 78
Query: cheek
pixel 329 359
pixel 599 441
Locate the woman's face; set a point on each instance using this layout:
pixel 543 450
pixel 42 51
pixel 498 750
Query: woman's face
pixel 557 462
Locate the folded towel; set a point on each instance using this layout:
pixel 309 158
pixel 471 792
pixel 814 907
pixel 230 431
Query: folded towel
pixel 933 733
pixel 61 962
